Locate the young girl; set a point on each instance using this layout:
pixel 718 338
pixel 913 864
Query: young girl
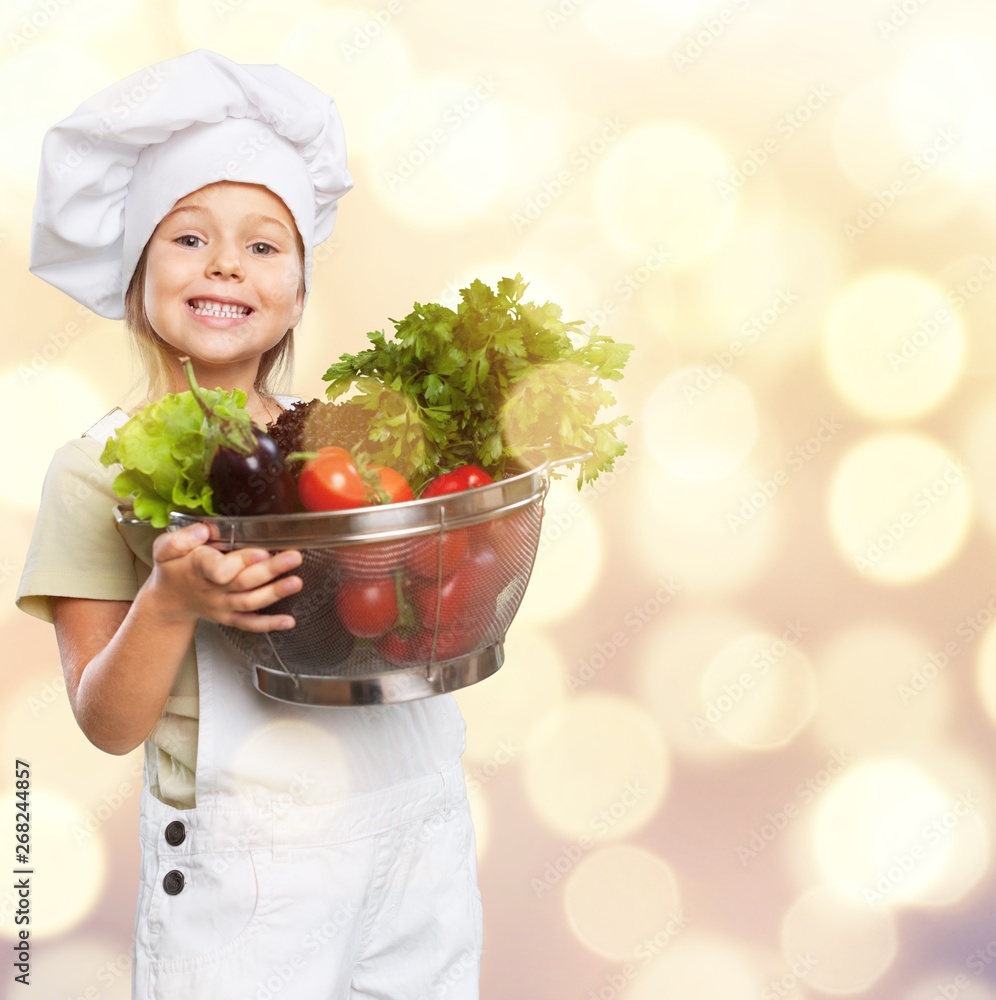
pixel 312 853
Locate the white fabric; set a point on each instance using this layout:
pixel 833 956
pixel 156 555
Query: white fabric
pixel 112 169
pixel 330 856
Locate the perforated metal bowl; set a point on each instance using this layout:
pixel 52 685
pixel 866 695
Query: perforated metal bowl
pixel 458 612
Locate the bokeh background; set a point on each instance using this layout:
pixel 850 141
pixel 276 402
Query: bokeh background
pixel 741 745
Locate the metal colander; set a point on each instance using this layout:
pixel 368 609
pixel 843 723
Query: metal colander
pixel 454 611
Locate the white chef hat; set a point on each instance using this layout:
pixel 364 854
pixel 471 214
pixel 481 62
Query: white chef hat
pixel 112 170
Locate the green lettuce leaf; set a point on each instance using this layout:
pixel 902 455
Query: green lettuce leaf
pixel 165 452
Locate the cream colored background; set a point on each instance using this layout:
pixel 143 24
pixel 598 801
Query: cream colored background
pixel 741 745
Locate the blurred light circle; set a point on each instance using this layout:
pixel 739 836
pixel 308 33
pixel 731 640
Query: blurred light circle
pixel 849 943
pixel 691 532
pixel 656 187
pixel 440 152
pixel 902 161
pixel 51 426
pixel 70 865
pixel 883 687
pixel 969 784
pixel 501 714
pixel 758 691
pixel 700 423
pixel 640 28
pixel 99 783
pixel 765 292
pixel 622 901
pixel 572 261
pixel 900 507
pixel 873 146
pixel 887 827
pixel 673 655
pixel 893 345
pixel 700 965
pixel 361 61
pixel 569 560
pixel 596 768
pixel 942 91
pixel 541 120
pixel 550 388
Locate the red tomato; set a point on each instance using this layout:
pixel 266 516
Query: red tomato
pixel 465 598
pixel 450 645
pixel 331 482
pixel 393 484
pixel 416 649
pixel 404 651
pixel 367 608
pixel 426 556
pixel 514 537
pixel 464 477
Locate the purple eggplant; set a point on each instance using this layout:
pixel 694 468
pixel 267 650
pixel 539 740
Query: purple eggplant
pixel 246 469
pixel 257 483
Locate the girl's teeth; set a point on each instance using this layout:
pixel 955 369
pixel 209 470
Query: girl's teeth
pixel 205 308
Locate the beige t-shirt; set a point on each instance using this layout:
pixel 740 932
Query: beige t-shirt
pixel 77 551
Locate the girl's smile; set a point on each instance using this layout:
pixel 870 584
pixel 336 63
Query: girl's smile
pixel 224 311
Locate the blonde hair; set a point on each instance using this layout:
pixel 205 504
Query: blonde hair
pixel 154 354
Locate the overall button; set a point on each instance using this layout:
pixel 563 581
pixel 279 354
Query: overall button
pixel 176 833
pixel 173 882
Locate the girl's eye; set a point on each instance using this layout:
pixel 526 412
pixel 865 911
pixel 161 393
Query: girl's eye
pixel 189 240
pixel 263 249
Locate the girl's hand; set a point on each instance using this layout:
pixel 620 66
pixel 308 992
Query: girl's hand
pixel 193 580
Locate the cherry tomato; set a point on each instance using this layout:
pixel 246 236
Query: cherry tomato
pixel 445 551
pixel 331 482
pixel 393 484
pixel 450 645
pixel 367 608
pixel 407 650
pixel 463 599
pixel 514 536
pixel 464 477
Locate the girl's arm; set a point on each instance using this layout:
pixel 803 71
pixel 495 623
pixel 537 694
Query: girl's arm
pixel 121 658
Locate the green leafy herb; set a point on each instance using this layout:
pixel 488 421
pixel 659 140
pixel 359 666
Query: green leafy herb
pixel 498 382
pixel 166 449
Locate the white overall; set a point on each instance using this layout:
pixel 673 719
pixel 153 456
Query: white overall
pixel 288 879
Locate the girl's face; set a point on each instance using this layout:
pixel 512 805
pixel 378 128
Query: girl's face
pixel 224 281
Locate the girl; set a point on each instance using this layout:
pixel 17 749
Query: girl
pixel 313 853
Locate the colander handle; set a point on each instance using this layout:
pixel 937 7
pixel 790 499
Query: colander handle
pixel 571 459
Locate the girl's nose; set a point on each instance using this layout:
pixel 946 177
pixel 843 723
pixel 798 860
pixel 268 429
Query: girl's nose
pixel 225 262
